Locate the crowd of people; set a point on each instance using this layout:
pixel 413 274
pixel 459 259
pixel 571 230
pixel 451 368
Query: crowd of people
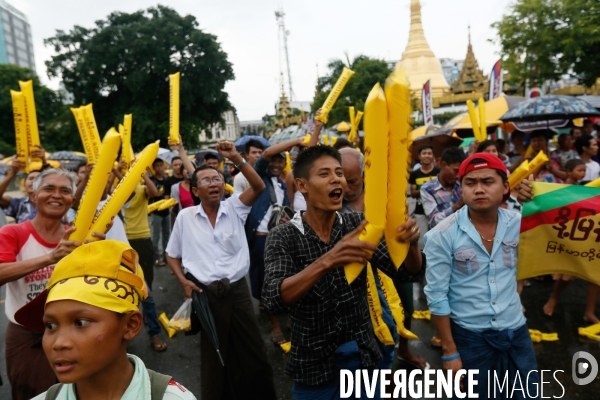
pixel 282 237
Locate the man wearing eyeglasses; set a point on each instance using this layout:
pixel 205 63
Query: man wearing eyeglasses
pixel 207 252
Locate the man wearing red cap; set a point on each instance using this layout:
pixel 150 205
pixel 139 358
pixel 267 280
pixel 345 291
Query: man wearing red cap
pixel 471 283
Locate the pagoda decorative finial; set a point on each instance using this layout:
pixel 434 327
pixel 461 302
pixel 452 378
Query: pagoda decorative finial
pixel 418 61
pixel 417 44
pixel 471 78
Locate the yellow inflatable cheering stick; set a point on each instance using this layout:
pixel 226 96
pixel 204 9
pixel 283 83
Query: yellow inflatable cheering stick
pixel 538 161
pixel 33 134
pixel 126 149
pixel 474 121
pixel 594 183
pixel 376 172
pixel 354 121
pixel 87 144
pixel 380 328
pixel 397 95
pixel 18 102
pixel 174 108
pixel 92 130
pixel 124 190
pixel 96 186
pixel 393 299
pixel 482 121
pixel 334 94
pixel 522 172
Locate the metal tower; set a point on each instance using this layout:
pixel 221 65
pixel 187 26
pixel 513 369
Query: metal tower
pixel 283 34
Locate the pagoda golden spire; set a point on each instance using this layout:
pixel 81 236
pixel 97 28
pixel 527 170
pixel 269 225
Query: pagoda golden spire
pixel 418 61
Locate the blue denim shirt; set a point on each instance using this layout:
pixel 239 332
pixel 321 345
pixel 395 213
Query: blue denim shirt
pixel 260 208
pixel 477 290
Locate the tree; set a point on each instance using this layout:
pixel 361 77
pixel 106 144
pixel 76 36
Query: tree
pixel 582 39
pixel 48 107
pixel 546 39
pixel 529 41
pixel 122 65
pixel 368 72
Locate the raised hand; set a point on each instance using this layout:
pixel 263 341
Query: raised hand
pixel 350 250
pixel 227 150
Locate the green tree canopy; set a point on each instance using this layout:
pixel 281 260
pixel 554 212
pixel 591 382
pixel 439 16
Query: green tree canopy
pixel 368 72
pixel 48 107
pixel 122 66
pixel 546 39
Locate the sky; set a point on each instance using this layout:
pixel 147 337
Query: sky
pixel 319 30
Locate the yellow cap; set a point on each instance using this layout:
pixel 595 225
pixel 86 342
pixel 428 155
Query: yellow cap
pixel 104 274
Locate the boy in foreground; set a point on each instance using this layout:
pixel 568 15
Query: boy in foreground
pixel 88 313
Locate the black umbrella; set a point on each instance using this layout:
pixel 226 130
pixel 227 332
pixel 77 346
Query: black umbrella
pixel 200 155
pixel 439 140
pixel 204 314
pixel 550 107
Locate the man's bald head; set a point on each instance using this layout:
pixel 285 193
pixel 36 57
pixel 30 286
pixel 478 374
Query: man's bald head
pixel 353 163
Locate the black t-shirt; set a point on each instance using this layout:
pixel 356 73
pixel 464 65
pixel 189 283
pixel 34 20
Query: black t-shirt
pixel 169 182
pixel 418 178
pixel 161 186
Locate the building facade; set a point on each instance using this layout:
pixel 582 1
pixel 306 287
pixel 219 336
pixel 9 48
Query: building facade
pixel 16 45
pixel 229 131
pixel 451 68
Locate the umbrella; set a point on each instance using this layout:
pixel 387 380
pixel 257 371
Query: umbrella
pixel 421 131
pixel 68 159
pixel 438 140
pixel 167 156
pixel 245 139
pixel 204 314
pixel 550 107
pixel 594 101
pixel 200 155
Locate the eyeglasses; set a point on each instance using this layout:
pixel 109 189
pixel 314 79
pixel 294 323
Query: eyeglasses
pixel 206 181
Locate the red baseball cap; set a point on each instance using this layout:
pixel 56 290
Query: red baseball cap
pixel 487 160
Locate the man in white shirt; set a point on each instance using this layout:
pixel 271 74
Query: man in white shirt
pixel 209 242
pixel 253 150
pixel 587 147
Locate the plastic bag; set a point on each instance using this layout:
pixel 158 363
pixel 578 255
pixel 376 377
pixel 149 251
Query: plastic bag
pixel 181 321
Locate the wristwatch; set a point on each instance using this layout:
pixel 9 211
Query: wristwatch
pixel 240 165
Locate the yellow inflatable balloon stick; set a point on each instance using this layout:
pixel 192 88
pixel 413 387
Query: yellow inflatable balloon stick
pixel 18 103
pixel 376 173
pixel 96 185
pixel 334 94
pixel 174 108
pixel 33 134
pixel 482 121
pixel 474 120
pixel 397 95
pixel 92 129
pixel 124 189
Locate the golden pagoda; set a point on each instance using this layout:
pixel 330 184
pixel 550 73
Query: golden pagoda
pixel 418 61
pixel 285 115
pixel 471 78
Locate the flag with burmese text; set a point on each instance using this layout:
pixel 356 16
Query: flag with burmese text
pixel 560 232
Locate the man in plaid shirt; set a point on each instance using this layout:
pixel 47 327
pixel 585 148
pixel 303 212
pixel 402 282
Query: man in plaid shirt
pixel 304 276
pixel 442 196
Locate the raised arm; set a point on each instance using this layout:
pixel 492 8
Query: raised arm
pixel 81 187
pixel 279 147
pixel 151 190
pixel 255 182
pixel 16 166
pixel 290 187
pixel 185 160
pixel 318 126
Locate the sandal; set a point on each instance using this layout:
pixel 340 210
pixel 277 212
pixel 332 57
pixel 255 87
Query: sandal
pixel 278 338
pixel 158 344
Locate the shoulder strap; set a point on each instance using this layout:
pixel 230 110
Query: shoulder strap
pixel 53 392
pixel 272 192
pixel 158 384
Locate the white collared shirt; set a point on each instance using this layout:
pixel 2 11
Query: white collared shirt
pixel 208 253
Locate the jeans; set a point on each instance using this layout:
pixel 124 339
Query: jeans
pixel 149 311
pixel 160 226
pixel 506 352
